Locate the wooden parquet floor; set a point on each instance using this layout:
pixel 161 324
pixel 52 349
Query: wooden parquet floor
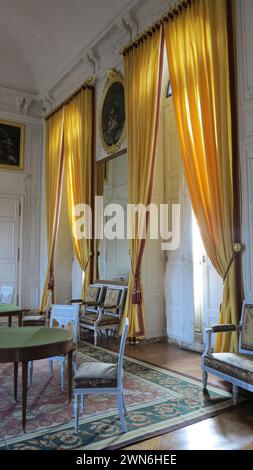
pixel 231 430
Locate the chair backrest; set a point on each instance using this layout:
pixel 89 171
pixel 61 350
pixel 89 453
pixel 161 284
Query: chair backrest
pixel 93 293
pixel 6 294
pixel 64 315
pixel 122 351
pixel 115 295
pixel 246 335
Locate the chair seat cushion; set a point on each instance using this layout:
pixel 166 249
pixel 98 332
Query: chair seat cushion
pixel 90 318
pixel 239 366
pixel 96 374
pixel 34 320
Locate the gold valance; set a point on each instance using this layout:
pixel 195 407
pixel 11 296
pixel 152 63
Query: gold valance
pixel 173 12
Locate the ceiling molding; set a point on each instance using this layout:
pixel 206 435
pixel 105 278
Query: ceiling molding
pixel 99 55
pixel 104 52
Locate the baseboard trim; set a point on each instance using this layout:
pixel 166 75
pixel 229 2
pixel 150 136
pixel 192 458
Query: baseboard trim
pixel 196 347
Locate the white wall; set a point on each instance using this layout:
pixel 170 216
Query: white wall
pixel 244 17
pixel 97 59
pixel 26 186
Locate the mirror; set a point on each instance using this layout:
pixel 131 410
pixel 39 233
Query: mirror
pixel 113 260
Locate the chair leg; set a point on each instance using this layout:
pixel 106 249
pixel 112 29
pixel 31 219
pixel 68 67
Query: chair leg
pixel 95 335
pixel 30 371
pixel 204 379
pixel 76 412
pixel 121 412
pixel 74 364
pixel 62 375
pixel 124 405
pixel 82 403
pixel 235 394
pixel 51 367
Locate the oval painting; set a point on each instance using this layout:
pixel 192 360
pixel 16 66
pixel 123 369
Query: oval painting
pixel 113 116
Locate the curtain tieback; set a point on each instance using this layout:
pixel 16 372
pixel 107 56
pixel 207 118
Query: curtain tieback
pixel 136 292
pixel 237 247
pixel 88 260
pixel 50 284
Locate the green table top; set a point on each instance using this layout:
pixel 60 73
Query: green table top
pixel 6 308
pixel 32 336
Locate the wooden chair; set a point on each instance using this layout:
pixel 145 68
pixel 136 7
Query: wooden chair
pixel 93 378
pixel 236 368
pixel 92 299
pixel 107 315
pixel 6 294
pixel 37 318
pixel 62 316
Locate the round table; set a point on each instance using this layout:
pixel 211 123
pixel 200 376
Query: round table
pixel 8 310
pixel 30 344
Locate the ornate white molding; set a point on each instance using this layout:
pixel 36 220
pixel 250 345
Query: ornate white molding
pixel 20 103
pixel 247 124
pixel 101 54
pixel 247 220
pixel 245 11
pixel 104 52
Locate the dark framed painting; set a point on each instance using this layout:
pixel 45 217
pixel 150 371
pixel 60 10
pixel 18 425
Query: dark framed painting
pixel 112 125
pixel 11 145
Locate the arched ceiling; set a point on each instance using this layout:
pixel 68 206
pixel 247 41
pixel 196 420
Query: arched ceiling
pixel 39 39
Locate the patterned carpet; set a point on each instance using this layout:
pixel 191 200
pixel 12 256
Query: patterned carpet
pixel 157 400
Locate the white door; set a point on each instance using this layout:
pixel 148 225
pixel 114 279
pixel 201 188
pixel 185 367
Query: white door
pixel 212 293
pixel 9 244
pixel 77 279
pixel 208 286
pixel 179 299
pixel 193 289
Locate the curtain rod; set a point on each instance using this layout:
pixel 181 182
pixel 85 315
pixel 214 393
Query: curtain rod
pixel 174 11
pixel 85 85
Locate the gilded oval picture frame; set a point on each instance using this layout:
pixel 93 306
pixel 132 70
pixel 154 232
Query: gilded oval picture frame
pixel 112 120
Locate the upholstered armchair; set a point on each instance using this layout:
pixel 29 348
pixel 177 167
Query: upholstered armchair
pixel 236 368
pixel 108 314
pixel 92 299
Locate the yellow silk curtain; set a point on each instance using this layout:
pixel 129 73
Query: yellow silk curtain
pixel 54 177
pixel 78 123
pixel 198 56
pixel 143 73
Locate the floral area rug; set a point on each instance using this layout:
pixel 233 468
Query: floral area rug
pixel 157 401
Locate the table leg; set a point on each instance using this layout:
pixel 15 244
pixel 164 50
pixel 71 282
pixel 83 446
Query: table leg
pixel 20 317
pixel 70 354
pixel 24 392
pixel 9 320
pixel 16 381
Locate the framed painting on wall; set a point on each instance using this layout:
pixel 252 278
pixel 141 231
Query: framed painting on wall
pixel 112 126
pixel 11 145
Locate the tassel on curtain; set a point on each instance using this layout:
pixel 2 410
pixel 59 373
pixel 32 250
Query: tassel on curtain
pixel 200 72
pixel 143 77
pixel 78 123
pixel 54 178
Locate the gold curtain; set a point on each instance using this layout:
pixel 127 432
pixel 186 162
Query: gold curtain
pixel 78 122
pixel 54 177
pixel 143 75
pixel 198 56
